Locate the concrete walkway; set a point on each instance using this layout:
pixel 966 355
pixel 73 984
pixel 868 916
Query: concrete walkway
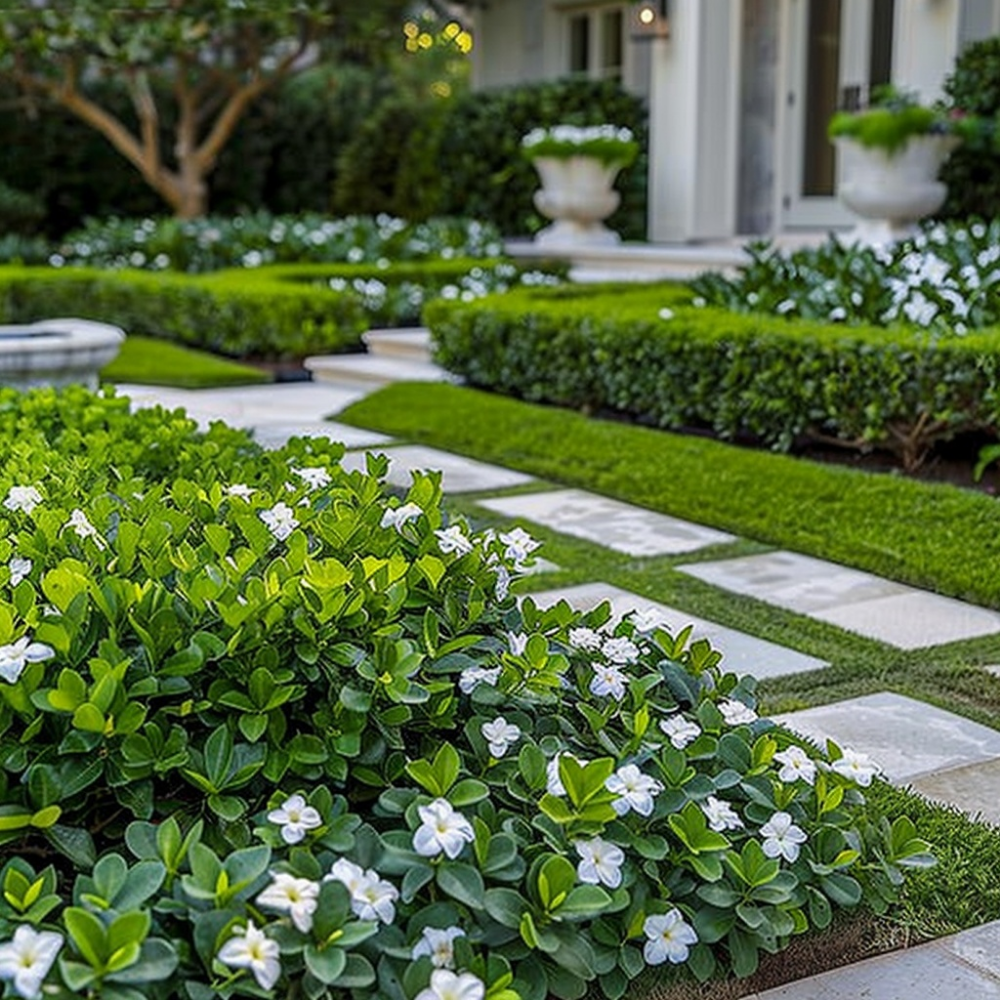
pixel 942 755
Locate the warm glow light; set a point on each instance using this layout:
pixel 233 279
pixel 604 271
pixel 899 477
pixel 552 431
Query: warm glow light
pixel 647 15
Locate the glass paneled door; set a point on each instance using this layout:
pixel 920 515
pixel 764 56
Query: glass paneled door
pixel 835 52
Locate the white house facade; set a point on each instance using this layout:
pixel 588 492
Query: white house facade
pixel 739 92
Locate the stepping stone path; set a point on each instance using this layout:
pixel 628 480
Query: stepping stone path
pixel 742 653
pixel 619 526
pixel 880 609
pixel 944 756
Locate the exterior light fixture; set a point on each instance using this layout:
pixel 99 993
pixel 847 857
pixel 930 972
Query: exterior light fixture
pixel 649 20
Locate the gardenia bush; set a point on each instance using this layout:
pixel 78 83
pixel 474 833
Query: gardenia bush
pixel 253 240
pixel 944 279
pixel 610 144
pixel 269 730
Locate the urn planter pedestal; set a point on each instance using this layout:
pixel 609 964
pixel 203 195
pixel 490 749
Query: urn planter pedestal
pixel 577 195
pixel 892 191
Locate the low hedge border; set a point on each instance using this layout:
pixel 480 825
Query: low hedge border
pixel 285 311
pixel 648 352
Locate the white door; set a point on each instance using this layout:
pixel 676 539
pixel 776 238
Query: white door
pixel 834 51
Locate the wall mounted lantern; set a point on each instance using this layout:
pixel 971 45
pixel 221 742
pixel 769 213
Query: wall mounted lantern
pixel 649 20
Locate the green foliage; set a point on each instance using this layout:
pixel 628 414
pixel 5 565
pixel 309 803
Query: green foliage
pixel 145 361
pixel 20 212
pixel 481 166
pixel 657 358
pixel 612 146
pixel 251 734
pixel 972 172
pixel 929 535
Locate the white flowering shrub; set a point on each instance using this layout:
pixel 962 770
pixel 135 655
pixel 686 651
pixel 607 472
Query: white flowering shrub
pixel 944 279
pixel 269 730
pixel 611 144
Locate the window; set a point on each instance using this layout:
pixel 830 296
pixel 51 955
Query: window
pixel 596 42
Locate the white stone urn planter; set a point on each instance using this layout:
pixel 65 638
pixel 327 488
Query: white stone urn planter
pixel 577 195
pixel 892 191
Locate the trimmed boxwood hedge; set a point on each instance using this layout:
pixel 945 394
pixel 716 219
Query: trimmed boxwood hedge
pixel 649 353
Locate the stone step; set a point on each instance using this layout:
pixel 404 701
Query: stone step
pixel 371 370
pixel 412 343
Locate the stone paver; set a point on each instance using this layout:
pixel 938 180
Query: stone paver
pixel 908 738
pixel 619 526
pixel 860 602
pixel 459 475
pixel 975 789
pixel 277 434
pixel 742 653
pixel 935 971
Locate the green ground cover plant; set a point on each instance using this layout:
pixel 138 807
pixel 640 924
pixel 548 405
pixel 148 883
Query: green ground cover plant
pixel 663 357
pixel 145 361
pixel 268 729
pixel 935 536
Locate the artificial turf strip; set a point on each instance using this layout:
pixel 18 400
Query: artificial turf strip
pixel 147 361
pixel 933 536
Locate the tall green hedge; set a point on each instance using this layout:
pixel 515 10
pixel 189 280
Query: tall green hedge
pixel 646 352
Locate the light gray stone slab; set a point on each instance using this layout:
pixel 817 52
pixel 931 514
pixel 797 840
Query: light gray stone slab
pixel 908 738
pixel 459 475
pixel 879 609
pixel 975 789
pixel 742 653
pixel 619 526
pixel 914 620
pixel 274 435
pixel 978 946
pixel 923 973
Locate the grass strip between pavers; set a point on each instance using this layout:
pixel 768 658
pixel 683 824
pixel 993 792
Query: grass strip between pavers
pixel 148 361
pixel 934 536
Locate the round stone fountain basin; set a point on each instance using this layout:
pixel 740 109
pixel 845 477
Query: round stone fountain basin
pixel 56 352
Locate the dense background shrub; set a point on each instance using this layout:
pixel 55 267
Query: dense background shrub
pixel 649 353
pixel 247 686
pixel 972 172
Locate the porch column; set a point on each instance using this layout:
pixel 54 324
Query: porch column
pixel 693 127
pixel 926 43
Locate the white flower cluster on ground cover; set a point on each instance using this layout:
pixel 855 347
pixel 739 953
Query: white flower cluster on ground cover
pixel 944 279
pixel 292 735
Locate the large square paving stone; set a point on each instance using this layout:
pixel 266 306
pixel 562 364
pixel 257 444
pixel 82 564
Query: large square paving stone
pixel 459 474
pixel 275 435
pixel 908 738
pixel 619 526
pixel 742 653
pixel 975 789
pixel 880 609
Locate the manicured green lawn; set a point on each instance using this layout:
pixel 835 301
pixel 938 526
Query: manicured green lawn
pixel 147 361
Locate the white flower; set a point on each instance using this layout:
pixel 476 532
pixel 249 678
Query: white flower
pixel 315 475
pixel 584 638
pixel 295 818
pixel 84 529
pixel 15 656
pixel 681 731
pixel 19 569
pixel 447 985
pixel 608 679
pixel 453 539
pixel 519 545
pixel 720 815
pixel 280 520
pixel 503 582
pixel 26 959
pixel 295 896
pixel 517 643
pixel 648 620
pixel 858 767
pixel 620 650
pixel 554 785
pixel 240 490
pixel 22 498
pixel 438 945
pixel 469 678
pixel 348 874
pixel 634 789
pixel 736 713
pixel 782 837
pixel 666 313
pixel 397 517
pixel 796 764
pixel 252 949
pixel 669 937
pixel 441 829
pixel 374 898
pixel 500 734
pixel 601 862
